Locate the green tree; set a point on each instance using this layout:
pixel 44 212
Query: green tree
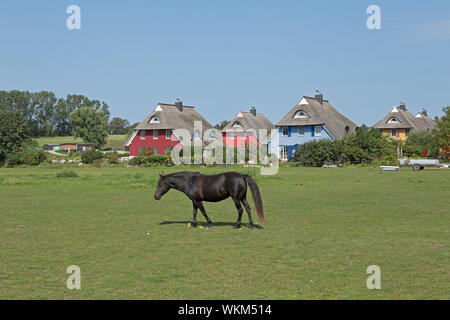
pixel 221 125
pixel 20 102
pixel 366 145
pixel 91 125
pixel 118 126
pixel 443 135
pixel 13 134
pixel 420 141
pixel 43 103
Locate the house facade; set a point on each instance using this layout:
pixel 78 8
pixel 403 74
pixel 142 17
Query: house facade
pixel 399 122
pixel 155 134
pixel 245 128
pixel 312 118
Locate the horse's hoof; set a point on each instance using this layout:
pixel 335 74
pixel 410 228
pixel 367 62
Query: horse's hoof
pixel 238 226
pixel 210 225
pixel 250 226
pixel 193 225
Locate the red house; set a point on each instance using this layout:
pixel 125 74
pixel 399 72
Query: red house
pixel 241 130
pixel 155 135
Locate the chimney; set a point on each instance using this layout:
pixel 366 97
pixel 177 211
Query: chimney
pixel 179 104
pixel 318 96
pixel 253 111
pixel 402 106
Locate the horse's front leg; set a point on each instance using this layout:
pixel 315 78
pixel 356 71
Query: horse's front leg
pixel 194 213
pixel 202 209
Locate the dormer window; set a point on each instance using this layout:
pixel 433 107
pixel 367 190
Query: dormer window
pixel 393 120
pixel 154 120
pixel 237 124
pixel 301 115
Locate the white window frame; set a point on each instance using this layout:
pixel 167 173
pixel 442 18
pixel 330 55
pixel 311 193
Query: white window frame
pixel 302 131
pixel 142 134
pixel 155 131
pixel 170 135
pixel 282 132
pixel 317 131
pixel 154 120
pixel 393 120
pixel 301 115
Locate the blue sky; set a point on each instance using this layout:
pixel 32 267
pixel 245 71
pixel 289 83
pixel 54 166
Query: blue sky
pixel 226 56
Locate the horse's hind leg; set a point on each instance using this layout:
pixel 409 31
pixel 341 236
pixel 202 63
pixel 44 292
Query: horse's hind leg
pixel 237 203
pixel 202 209
pixel 248 209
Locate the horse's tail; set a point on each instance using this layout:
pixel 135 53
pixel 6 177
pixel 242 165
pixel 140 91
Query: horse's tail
pixel 256 195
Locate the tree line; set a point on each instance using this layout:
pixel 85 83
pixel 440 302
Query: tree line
pixel 47 115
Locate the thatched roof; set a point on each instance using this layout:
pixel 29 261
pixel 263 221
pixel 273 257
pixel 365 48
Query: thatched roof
pixel 170 117
pixel 401 118
pixel 247 120
pixel 319 114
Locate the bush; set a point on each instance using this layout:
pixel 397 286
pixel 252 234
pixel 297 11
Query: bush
pixel 34 158
pixel 113 158
pixel 91 155
pixel 27 157
pixel 420 141
pixel 67 174
pixel 152 160
pixel 315 153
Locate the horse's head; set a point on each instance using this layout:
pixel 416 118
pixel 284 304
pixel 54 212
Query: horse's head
pixel 162 188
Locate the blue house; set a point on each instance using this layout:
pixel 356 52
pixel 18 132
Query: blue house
pixel 310 119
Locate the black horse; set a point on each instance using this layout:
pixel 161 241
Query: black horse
pixel 213 188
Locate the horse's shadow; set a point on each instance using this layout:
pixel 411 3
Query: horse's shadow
pixel 215 224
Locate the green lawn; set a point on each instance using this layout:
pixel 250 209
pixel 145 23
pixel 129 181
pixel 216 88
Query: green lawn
pixel 114 141
pixel 323 228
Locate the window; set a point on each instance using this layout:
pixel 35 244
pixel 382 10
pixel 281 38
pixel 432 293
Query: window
pixel 347 129
pixel 393 120
pixel 283 152
pixel 155 150
pixel 142 134
pixel 155 134
pixel 168 134
pixel 144 151
pixel 301 115
pixel 394 132
pixel 301 131
pixel 237 124
pixel 317 131
pixel 154 120
pixel 285 131
pixel 406 132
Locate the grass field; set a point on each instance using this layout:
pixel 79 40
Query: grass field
pixel 323 228
pixel 114 141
